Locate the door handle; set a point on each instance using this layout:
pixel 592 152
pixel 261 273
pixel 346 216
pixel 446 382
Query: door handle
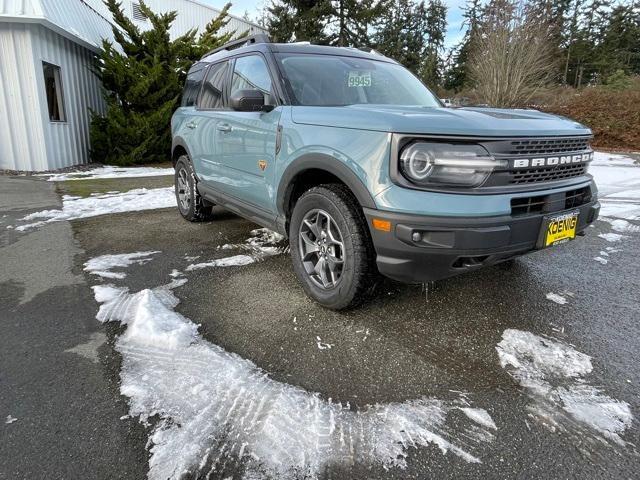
pixel 191 124
pixel 224 127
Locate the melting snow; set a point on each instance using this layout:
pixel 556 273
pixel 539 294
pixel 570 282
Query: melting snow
pixel 618 180
pixel 216 408
pixel 103 264
pixel 552 372
pixel 235 261
pixel 78 207
pixel 109 172
pixel 480 416
pixel 322 345
pixel 262 243
pixel 611 237
pixel 554 297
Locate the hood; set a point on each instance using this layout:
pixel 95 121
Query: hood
pixel 476 122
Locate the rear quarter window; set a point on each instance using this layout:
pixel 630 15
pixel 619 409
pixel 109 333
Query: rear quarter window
pixel 192 86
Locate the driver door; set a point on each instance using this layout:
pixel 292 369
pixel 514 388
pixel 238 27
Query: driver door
pixel 246 141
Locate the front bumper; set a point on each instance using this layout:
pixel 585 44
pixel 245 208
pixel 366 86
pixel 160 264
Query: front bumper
pixel 452 245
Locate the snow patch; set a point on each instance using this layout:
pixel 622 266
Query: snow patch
pixel 235 261
pixel 552 373
pixel 216 408
pixel 622 226
pixel 480 416
pixel 601 260
pixel 323 345
pixel 78 207
pixel 618 180
pixel 612 237
pixel 10 420
pixel 103 264
pixel 263 243
pixel 108 172
pixel 554 297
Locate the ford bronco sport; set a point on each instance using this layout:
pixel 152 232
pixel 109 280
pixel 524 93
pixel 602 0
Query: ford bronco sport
pixel 353 159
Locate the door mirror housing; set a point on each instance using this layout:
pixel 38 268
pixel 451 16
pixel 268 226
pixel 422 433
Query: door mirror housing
pixel 248 100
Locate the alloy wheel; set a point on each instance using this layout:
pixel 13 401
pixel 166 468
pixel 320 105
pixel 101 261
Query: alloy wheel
pixel 184 192
pixel 321 248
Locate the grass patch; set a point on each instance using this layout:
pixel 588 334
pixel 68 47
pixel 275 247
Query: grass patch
pixel 84 188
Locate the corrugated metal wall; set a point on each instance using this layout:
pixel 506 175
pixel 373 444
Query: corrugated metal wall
pixel 28 140
pixel 192 14
pixel 21 135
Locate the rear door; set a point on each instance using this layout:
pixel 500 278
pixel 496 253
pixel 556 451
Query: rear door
pixel 247 140
pixel 212 101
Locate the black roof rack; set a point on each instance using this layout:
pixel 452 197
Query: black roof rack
pixel 241 42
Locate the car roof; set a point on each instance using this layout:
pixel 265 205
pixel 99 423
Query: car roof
pixel 301 47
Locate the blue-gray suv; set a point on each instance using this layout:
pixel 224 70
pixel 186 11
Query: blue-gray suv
pixel 352 158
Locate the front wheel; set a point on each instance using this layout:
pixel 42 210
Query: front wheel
pixel 332 252
pixel 191 205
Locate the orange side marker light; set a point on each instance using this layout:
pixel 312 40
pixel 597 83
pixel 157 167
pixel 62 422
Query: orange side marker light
pixel 382 225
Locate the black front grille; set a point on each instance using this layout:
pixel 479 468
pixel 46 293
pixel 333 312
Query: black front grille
pixel 549 145
pixel 550 203
pixel 546 174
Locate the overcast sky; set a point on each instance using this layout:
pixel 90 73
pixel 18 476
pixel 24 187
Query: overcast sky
pixel 454 17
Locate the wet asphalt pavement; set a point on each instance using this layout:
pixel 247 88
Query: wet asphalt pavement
pixel 402 344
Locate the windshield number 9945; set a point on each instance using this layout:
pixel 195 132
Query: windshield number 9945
pixel 357 79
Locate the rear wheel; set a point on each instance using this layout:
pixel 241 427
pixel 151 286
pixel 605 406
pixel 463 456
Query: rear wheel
pixel 190 203
pixel 331 248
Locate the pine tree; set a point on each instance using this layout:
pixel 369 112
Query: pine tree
pixel 143 77
pixel 299 20
pixel 457 76
pixel 354 19
pixel 435 29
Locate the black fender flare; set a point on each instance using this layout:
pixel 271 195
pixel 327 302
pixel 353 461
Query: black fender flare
pixel 321 161
pixel 175 143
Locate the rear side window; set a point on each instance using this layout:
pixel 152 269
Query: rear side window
pixel 213 94
pixel 251 72
pixel 192 87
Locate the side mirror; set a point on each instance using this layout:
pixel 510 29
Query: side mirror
pixel 247 100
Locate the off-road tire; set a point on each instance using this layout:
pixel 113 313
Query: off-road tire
pixel 359 272
pixel 198 209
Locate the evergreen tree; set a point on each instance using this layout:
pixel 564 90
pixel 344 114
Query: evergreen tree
pixel 354 19
pixel 299 20
pixel 413 34
pixel 401 34
pixel 435 29
pixel 143 77
pixel 457 76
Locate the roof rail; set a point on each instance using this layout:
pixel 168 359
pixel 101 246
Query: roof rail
pixel 241 42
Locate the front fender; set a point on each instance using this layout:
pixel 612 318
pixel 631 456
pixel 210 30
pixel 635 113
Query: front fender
pixel 321 161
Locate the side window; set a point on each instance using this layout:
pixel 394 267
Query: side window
pixel 53 89
pixel 213 95
pixel 192 87
pixel 251 72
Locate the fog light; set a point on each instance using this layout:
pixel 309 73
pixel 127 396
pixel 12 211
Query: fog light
pixel 416 236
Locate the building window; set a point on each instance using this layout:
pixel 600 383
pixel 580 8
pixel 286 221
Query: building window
pixel 137 13
pixel 53 87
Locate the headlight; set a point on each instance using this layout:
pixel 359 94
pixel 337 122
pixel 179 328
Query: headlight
pixel 447 164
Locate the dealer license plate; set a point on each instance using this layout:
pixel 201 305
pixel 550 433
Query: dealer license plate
pixel 559 229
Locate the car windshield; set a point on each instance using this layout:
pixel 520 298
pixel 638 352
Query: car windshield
pixel 327 80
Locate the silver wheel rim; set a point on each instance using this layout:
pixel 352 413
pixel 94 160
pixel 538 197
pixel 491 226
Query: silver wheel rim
pixel 321 248
pixel 184 192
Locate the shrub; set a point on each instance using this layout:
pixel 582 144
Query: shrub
pixel 142 79
pixel 612 113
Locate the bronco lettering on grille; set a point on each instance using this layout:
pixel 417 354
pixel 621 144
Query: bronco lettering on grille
pixel 551 161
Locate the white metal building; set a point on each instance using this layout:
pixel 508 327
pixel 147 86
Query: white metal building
pixel 46 86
